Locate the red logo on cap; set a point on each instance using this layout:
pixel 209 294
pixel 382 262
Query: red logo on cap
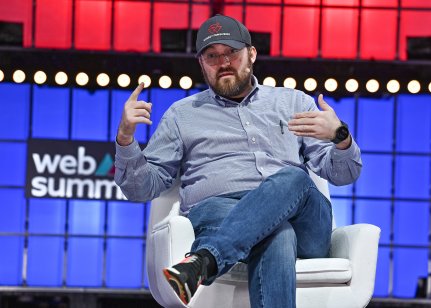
pixel 214 28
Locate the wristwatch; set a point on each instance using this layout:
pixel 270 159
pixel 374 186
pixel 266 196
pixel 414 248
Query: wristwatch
pixel 341 133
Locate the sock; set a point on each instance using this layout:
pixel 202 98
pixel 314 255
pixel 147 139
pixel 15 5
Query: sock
pixel 212 264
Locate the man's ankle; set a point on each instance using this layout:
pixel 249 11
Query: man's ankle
pixel 210 261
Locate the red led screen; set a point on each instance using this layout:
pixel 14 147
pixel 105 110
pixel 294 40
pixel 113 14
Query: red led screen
pixel 270 24
pixel 416 3
pixel 93 24
pixel 176 16
pixel 413 24
pixel 348 28
pixel 341 2
pixel 339 33
pixel 378 34
pixel 303 2
pixel 132 26
pixel 53 24
pixel 19 11
pixel 381 3
pixel 301 32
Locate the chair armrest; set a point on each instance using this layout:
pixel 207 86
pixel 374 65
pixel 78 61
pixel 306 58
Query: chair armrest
pixel 177 236
pixel 351 242
pixel 167 244
pixel 358 243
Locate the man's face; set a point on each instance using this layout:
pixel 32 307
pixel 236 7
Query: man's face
pixel 228 75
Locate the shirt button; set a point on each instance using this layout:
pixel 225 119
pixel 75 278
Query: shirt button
pixel 253 140
pixel 247 123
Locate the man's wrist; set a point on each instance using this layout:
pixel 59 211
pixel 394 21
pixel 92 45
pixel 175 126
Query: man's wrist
pixel 345 144
pixel 124 140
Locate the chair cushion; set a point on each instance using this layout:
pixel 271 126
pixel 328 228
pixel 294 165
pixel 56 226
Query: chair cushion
pixel 323 270
pixel 328 271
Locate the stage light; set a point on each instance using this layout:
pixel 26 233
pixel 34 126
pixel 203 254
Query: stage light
pixel 414 86
pixel 82 79
pixel 352 85
pixel 331 85
pixel 39 77
pixel 393 86
pixel 61 78
pixel 290 83
pixel 165 82
pixel 123 80
pixel 18 76
pixel 269 81
pixel 1 75
pixel 372 85
pixel 146 80
pixel 186 82
pixel 102 80
pixel 429 87
pixel 310 84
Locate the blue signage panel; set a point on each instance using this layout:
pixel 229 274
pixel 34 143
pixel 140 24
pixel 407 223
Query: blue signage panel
pixel 71 169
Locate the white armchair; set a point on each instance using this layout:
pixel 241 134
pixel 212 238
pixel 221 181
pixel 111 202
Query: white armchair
pixel 345 279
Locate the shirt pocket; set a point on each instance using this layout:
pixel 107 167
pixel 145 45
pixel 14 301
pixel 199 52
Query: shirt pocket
pixel 284 144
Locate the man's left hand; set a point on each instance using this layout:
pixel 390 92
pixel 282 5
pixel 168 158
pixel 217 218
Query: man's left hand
pixel 317 124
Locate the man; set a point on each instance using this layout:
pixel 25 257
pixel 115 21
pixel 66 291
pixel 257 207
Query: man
pixel 242 151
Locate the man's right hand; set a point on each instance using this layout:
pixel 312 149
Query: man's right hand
pixel 134 112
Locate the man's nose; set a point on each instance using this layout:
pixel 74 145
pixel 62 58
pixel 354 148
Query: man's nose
pixel 224 59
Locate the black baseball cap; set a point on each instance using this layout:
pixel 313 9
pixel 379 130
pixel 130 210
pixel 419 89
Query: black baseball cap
pixel 221 29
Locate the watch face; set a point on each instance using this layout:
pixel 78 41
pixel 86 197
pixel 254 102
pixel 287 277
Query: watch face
pixel 342 133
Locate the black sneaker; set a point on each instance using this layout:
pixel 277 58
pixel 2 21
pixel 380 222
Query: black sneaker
pixel 186 276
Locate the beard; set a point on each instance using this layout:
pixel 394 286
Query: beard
pixel 231 88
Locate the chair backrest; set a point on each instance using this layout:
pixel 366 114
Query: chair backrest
pixel 161 206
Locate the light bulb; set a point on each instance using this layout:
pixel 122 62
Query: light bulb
pixel 61 78
pixel 165 82
pixel 414 86
pixel 102 80
pixel 331 85
pixel 82 79
pixel 289 82
pixel 39 77
pixel 310 84
pixel 269 81
pixel 18 76
pixel 186 82
pixel 393 86
pixel 146 80
pixel 352 85
pixel 372 85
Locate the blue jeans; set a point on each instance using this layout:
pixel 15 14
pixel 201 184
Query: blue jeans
pixel 268 228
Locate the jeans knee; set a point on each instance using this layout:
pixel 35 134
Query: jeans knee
pixel 291 176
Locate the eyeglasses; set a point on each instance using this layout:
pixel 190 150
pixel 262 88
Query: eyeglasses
pixel 212 59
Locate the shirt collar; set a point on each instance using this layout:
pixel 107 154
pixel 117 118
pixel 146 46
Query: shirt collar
pixel 223 101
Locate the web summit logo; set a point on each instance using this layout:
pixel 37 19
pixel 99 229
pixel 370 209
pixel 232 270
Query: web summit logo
pixel 79 170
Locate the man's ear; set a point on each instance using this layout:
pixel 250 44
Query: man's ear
pixel 253 54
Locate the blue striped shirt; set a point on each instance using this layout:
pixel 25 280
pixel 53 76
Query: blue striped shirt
pixel 219 146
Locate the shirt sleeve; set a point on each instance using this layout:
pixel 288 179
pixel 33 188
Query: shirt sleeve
pixel 143 174
pixel 339 167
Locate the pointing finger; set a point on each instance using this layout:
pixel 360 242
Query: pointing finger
pixel 136 92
